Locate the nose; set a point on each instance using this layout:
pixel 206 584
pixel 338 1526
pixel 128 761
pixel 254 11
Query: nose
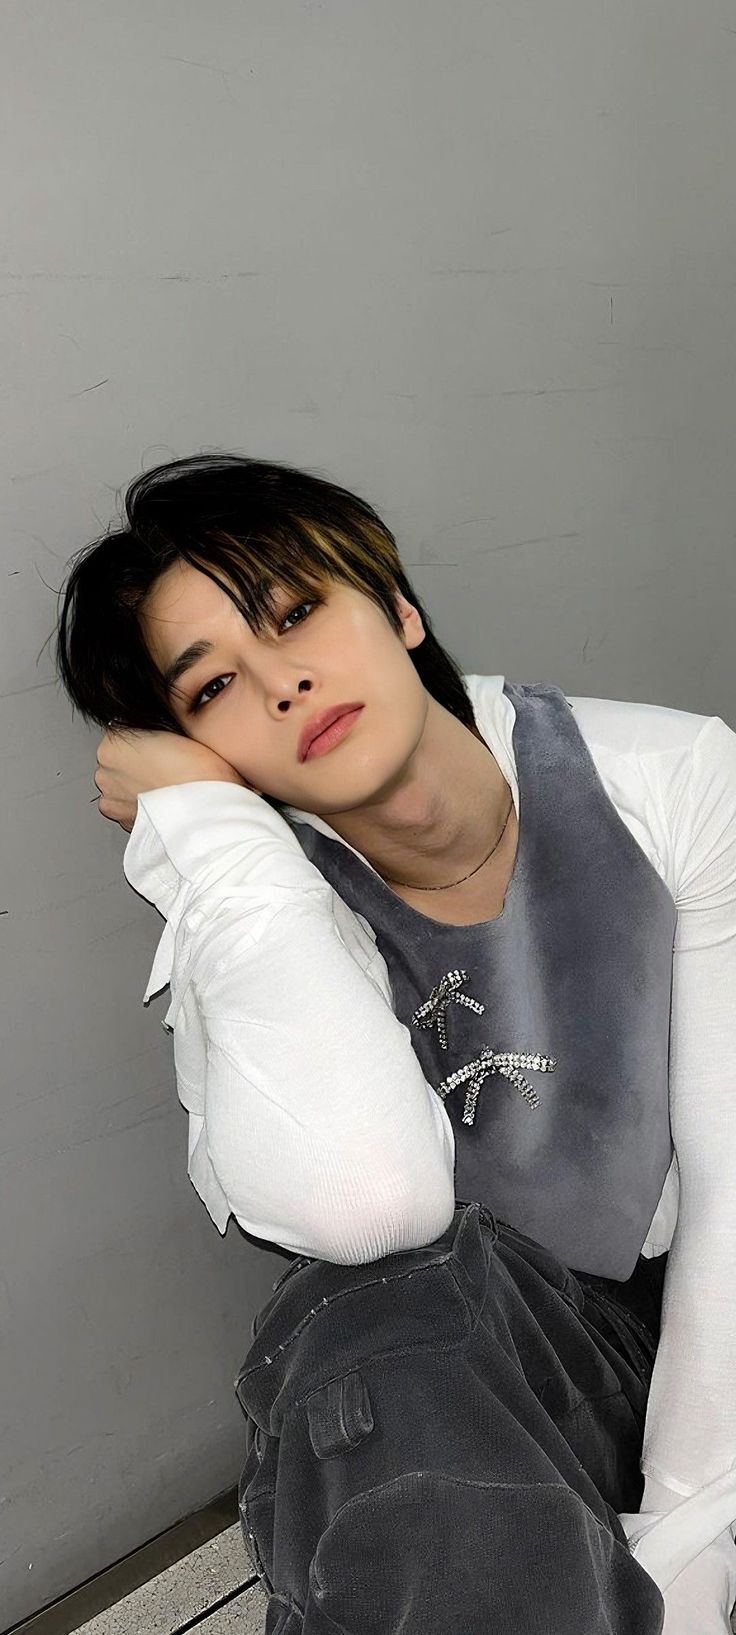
pixel 303 687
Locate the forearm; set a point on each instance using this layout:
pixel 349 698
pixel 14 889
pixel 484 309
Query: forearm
pixel 320 1127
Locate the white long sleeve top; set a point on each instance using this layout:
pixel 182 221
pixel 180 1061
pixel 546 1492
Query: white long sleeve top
pixel 310 1119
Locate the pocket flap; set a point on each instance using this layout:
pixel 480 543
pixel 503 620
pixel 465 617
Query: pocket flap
pixel 339 1415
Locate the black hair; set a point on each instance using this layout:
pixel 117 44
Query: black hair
pixel 250 524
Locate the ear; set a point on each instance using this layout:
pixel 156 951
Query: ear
pixel 413 628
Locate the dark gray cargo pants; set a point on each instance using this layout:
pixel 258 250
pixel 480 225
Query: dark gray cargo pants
pixel 439 1442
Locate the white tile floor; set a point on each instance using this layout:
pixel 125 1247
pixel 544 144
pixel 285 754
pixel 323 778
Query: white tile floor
pixel 209 1576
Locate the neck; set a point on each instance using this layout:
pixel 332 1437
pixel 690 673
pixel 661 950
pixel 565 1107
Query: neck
pixel 440 816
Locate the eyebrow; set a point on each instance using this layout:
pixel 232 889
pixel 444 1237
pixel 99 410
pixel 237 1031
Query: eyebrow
pixel 185 661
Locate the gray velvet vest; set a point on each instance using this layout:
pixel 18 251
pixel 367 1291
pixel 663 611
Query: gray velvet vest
pixel 546 1029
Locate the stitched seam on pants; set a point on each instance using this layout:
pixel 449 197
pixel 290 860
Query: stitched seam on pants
pixel 607 1307
pixel 631 1318
pixel 559 1489
pixel 342 1294
pixel 356 1363
pixel 473 1316
pixel 256 1553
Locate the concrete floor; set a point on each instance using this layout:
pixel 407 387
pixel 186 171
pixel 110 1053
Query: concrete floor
pixel 214 1574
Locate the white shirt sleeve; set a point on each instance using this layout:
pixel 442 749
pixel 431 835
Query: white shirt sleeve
pixel 672 777
pixel 310 1118
pixel 690 1435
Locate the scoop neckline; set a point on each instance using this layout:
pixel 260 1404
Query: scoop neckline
pixel 470 925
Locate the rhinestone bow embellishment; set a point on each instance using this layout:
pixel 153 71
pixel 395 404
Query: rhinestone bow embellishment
pixel 445 993
pixel 507 1062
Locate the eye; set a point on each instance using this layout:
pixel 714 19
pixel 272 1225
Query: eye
pixel 201 701
pixel 297 609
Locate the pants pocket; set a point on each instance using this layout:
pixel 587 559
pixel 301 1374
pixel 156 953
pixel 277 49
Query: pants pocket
pixel 429 1554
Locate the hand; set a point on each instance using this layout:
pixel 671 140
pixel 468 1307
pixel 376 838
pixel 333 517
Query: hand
pixel 129 762
pixel 700 1600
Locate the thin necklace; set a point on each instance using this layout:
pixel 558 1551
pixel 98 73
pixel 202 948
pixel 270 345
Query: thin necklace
pixel 391 882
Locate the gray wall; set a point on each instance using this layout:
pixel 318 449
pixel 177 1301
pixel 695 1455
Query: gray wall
pixel 475 261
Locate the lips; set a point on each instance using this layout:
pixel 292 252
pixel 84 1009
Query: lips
pixel 320 723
